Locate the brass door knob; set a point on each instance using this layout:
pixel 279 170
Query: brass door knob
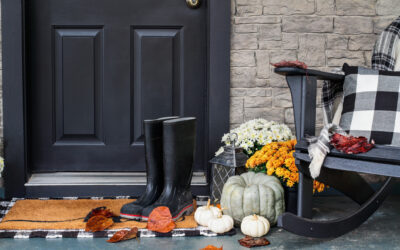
pixel 193 4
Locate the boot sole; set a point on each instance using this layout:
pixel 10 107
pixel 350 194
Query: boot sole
pixel 131 216
pixel 185 211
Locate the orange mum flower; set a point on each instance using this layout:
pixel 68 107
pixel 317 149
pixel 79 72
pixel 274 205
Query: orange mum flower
pixel 277 159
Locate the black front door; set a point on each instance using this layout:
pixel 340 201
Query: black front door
pixel 97 68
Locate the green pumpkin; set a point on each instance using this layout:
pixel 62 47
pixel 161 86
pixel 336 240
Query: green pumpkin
pixel 252 193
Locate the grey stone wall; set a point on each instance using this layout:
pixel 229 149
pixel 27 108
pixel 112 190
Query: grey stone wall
pixel 322 33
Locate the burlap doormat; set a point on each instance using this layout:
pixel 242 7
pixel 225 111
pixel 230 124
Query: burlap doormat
pixel 72 208
pixel 47 211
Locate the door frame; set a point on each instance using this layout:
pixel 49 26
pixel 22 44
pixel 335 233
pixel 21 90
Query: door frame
pixel 15 116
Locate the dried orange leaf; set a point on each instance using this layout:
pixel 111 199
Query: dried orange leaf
pixel 351 145
pixel 194 205
pixel 211 247
pixel 124 235
pixel 250 242
pixel 284 63
pixel 98 223
pixel 160 220
pixel 103 211
pixel 218 206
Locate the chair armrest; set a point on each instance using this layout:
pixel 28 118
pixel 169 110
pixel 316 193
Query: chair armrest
pixel 303 87
pixel 319 75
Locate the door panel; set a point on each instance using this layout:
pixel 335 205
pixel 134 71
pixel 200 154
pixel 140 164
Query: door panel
pixel 78 86
pixel 98 68
pixel 156 79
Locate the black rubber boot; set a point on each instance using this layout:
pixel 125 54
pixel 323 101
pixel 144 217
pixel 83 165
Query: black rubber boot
pixel 179 146
pixel 153 146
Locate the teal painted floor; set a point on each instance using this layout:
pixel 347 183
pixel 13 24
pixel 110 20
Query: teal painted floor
pixel 381 231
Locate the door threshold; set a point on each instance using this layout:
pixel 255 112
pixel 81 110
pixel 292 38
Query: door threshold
pixel 99 179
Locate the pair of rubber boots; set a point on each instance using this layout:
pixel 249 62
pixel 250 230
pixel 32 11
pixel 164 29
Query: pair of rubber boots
pixel 169 151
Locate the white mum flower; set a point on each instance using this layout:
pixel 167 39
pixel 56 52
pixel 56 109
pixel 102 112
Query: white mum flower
pixel 258 131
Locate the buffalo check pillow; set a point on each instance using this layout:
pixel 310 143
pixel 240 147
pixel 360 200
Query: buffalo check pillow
pixel 371 104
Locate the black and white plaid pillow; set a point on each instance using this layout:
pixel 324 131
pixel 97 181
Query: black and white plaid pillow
pixel 371 105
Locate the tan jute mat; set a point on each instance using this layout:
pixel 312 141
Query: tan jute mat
pixel 56 210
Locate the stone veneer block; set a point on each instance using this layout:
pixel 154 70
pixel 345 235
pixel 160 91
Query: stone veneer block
pixel 244 41
pixel 288 7
pixel 280 55
pixel 355 7
pixel 339 57
pixel 245 28
pixel 307 24
pixel 353 25
pixel 243 58
pixel 258 19
pixel 242 77
pixel 263 67
pixel 312 42
pixel 270 32
pixel 325 7
pixel 362 42
pixel 335 41
pixel 248 2
pixel 388 7
pixel 249 10
pixel 281 98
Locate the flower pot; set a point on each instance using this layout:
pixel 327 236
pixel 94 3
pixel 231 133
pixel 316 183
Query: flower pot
pixel 290 200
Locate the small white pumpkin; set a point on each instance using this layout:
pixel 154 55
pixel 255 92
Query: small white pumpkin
pixel 221 224
pixel 255 226
pixel 205 213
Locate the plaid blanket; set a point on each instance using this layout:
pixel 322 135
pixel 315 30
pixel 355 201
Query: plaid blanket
pixel 383 58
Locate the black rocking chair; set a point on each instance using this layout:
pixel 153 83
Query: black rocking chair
pixel 339 170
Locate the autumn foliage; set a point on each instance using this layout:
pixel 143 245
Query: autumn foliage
pixel 250 242
pixel 122 235
pixel 351 144
pixel 211 247
pixel 297 64
pixel 103 211
pixel 160 220
pixel 98 223
pixel 101 218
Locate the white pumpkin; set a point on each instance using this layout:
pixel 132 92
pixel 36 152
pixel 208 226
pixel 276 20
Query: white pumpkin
pixel 255 226
pixel 221 224
pixel 252 193
pixel 205 213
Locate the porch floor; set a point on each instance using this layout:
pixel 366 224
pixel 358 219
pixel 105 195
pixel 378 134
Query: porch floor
pixel 380 232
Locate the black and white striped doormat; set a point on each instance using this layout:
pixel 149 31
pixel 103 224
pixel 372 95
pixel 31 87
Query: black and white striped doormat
pixel 5 206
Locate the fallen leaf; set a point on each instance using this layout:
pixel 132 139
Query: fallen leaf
pixel 103 211
pixel 98 223
pixel 195 205
pixel 122 235
pixel 218 206
pixel 211 247
pixel 250 242
pixel 351 145
pixel 296 64
pixel 160 220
